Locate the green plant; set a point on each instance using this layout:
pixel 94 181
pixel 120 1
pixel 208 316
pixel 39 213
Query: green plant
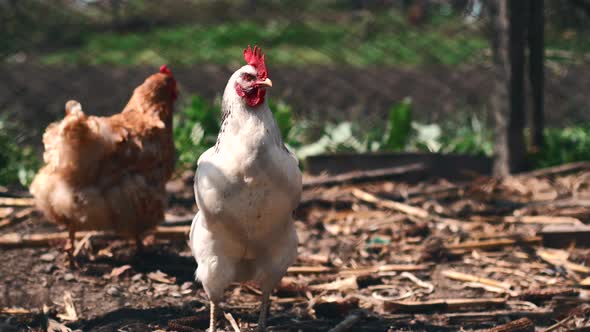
pixel 18 162
pixel 195 129
pixel 335 138
pixel 350 137
pixel 403 134
pixel 472 137
pixel 564 145
pixel 197 125
pixel 426 137
pixel 399 125
pixel 284 116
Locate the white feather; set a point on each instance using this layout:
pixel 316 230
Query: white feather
pixel 246 188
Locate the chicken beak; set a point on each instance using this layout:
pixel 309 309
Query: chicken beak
pixel 266 83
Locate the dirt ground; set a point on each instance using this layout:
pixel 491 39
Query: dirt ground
pixel 383 256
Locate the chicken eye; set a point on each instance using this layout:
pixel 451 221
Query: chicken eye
pixel 249 77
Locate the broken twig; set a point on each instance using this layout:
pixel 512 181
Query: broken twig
pixel 493 244
pixel 549 220
pixel 471 278
pixel 363 176
pixel 16 240
pixel 16 201
pixel 519 325
pixel 441 304
pixel 544 294
pixel 232 321
pixel 557 170
pixel 559 258
pixel 348 322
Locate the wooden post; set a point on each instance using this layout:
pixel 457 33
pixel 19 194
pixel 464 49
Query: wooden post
pixel 507 100
pixel 536 24
pixel 517 115
pixel 499 96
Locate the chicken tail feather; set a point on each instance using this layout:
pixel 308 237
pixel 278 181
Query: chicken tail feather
pixel 68 144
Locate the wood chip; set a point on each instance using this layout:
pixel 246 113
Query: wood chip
pixel 519 325
pixel 172 219
pixel 401 207
pixel 82 243
pixel 544 294
pixel 361 176
pixel 70 310
pixel 419 282
pixel 494 244
pixel 16 240
pixel 15 311
pixel 385 268
pixel 548 220
pixel 339 285
pixel 290 286
pixel 494 316
pixel 489 288
pixel 15 216
pixel 24 213
pixel 559 258
pixel 309 269
pixel 471 278
pixel 232 321
pixel 117 271
pixel 5 222
pixel 161 277
pixel 55 326
pixel 5 212
pixel 557 170
pixel 559 324
pixel 315 258
pixel 441 305
pixel 16 201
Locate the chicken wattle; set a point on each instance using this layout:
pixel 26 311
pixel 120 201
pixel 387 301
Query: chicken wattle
pixel 246 189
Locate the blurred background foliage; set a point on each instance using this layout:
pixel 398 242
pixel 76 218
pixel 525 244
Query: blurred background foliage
pixel 320 34
pixel 378 32
pixel 18 162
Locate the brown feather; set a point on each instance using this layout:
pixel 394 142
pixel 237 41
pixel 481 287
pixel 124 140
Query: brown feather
pixel 109 173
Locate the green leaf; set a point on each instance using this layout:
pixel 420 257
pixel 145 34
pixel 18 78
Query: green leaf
pixel 284 117
pixel 399 125
pixel 428 136
pixel 196 126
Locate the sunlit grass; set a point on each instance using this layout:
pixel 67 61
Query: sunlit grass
pixel 310 42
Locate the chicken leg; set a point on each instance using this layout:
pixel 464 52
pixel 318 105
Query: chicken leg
pixel 69 248
pixel 213 317
pixel 139 244
pixel 264 307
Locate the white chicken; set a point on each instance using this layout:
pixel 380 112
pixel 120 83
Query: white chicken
pixel 246 188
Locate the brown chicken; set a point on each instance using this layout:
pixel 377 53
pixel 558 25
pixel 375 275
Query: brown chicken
pixel 109 173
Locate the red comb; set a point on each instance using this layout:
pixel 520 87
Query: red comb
pixel 255 58
pixel 164 70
